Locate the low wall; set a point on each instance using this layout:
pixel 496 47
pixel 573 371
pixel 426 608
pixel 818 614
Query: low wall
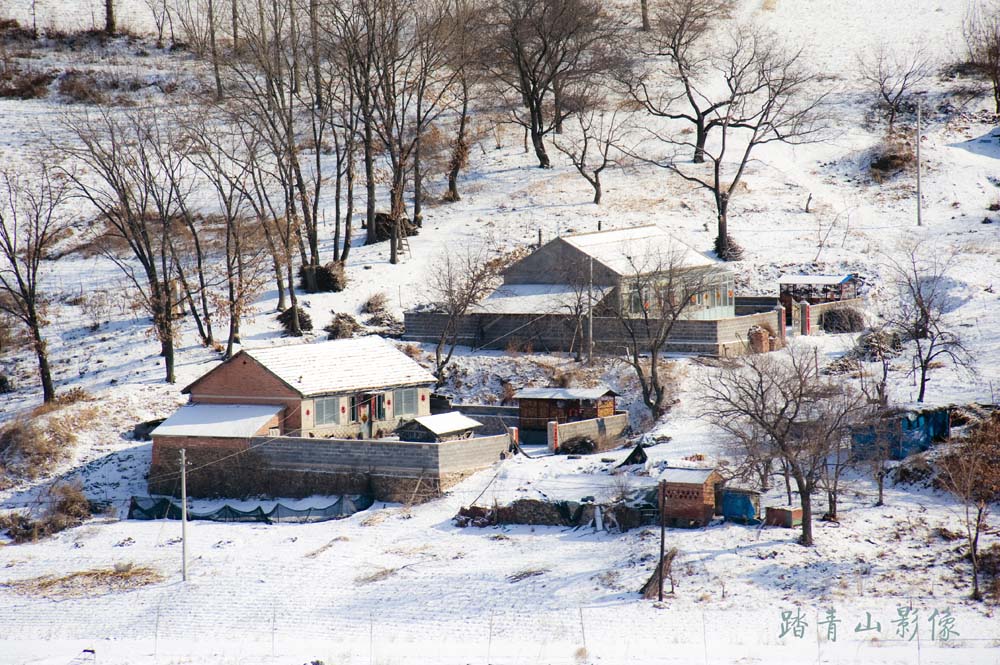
pixel 555 332
pixel 401 471
pixel 605 432
pixel 816 311
pixel 495 419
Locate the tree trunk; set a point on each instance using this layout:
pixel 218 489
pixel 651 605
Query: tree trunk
pixel 369 182
pixel 417 182
pixel 235 19
pixel 880 477
pixel 831 505
pixel 644 9
pixel 461 149
pixel 42 352
pixel 110 26
pixel 701 137
pixel 557 104
pixel 805 496
pixel 923 380
pixel 596 182
pixel 215 51
pixel 349 217
pixel 539 145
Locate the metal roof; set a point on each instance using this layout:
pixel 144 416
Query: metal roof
pixel 564 393
pixel 814 279
pixel 640 250
pixel 686 475
pixel 538 299
pixel 342 366
pixel 218 420
pixel 447 423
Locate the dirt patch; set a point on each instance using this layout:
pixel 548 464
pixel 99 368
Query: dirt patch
pixel 525 574
pixel 377 576
pixel 88 583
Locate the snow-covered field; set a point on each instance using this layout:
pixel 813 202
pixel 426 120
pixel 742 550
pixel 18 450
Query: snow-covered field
pixel 394 585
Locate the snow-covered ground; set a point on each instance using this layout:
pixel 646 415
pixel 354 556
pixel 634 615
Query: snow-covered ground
pixel 394 585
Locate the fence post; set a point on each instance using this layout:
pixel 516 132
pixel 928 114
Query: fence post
pixel 552 428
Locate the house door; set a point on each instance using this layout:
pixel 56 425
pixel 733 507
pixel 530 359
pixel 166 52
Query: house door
pixel 365 413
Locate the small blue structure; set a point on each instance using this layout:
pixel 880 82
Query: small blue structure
pixel 741 505
pixel 902 434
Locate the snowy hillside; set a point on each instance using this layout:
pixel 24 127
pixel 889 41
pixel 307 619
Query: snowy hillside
pixel 401 584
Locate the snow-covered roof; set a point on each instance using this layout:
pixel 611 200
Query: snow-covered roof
pixel 814 279
pixel 446 423
pixel 686 475
pixel 218 420
pixel 639 249
pixel 564 393
pixel 341 366
pixel 537 299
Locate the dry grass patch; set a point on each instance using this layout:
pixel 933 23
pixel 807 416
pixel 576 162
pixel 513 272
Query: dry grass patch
pixel 377 576
pixel 316 552
pixel 525 574
pixel 88 583
pixel 375 518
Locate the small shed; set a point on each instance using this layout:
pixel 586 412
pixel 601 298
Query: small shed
pixel 902 434
pixel 740 505
pixel 783 517
pixel 688 497
pixel 539 406
pixel 815 290
pixel 436 428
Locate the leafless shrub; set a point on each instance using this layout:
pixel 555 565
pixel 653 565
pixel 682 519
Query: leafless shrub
pixel 893 155
pixel 69 507
pixel 17 82
pixel 893 75
pixel 376 304
pixel 80 87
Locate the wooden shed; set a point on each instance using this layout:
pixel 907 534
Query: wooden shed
pixel 439 427
pixel 539 406
pixel 688 496
pixel 815 290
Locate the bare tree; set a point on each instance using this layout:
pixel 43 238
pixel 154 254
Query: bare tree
pixel 660 288
pixel 31 221
pixel 594 147
pixel 542 56
pixel 893 75
pixel 457 281
pixel 644 15
pixel 981 29
pixel 778 405
pixel 971 473
pixel 683 30
pixel 159 11
pixel 766 95
pixel 464 51
pixel 121 180
pixel 921 281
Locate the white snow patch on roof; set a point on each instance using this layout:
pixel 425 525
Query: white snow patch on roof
pixel 342 366
pixel 813 279
pixel 218 420
pixel 563 393
pixel 639 249
pixel 682 475
pixel 446 423
pixel 538 299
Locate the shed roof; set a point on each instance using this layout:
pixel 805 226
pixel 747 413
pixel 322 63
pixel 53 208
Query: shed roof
pixel 341 366
pixel 686 476
pixel 814 279
pixel 639 249
pixel 218 420
pixel 536 299
pixel 564 393
pixel 447 423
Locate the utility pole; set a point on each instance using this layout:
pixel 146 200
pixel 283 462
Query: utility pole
pixel 919 197
pixel 590 314
pixel 184 516
pixel 663 539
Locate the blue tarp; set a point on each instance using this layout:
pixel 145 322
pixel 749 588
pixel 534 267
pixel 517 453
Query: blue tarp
pixel 740 506
pixel 903 434
pixel 150 508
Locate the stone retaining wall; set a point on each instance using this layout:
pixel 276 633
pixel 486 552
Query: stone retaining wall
pixel 289 466
pixel 605 432
pixel 555 332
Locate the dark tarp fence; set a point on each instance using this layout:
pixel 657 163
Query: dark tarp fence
pixel 150 508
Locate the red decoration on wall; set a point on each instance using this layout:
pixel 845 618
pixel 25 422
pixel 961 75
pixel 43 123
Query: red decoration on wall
pixel 388 402
pixel 343 409
pixel 307 412
pixel 423 398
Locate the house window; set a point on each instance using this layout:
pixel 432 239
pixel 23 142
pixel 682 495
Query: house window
pixel 379 406
pixel 327 410
pixel 357 401
pixel 404 401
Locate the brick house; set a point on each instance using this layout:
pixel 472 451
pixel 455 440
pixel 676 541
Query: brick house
pixel 352 388
pixel 689 496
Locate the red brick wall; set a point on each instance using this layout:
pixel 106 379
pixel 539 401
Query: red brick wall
pixel 242 380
